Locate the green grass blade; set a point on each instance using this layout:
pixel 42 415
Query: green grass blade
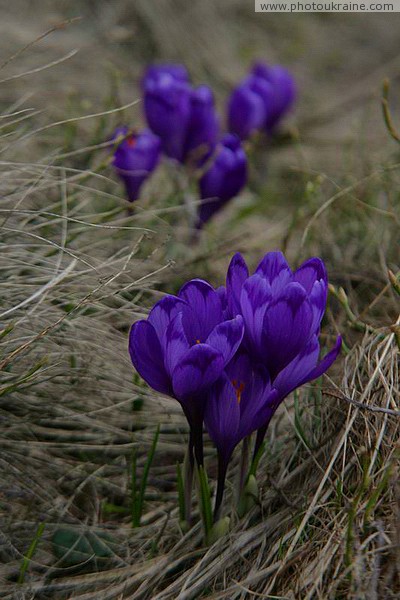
pixel 142 490
pixel 181 493
pixel 205 501
pixel 297 422
pixel 135 519
pixel 31 551
pixel 256 460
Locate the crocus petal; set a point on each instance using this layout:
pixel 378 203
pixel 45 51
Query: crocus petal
pixel 285 94
pixel 267 406
pixel 236 276
pixel 203 126
pixel 146 355
pixel 313 277
pixel 222 416
pixel 326 362
pixel 251 379
pixel 236 175
pixel 224 179
pixel 176 344
pixel 286 327
pixel 274 266
pixel 163 312
pixel 266 91
pixel 176 71
pixel 256 394
pixel 221 291
pixel 135 159
pixel 246 111
pixel 226 337
pixel 297 370
pixel 317 298
pixel 167 110
pixel 309 272
pixel 304 367
pixel 133 184
pixel 197 370
pixel 254 299
pixel 284 89
pixel 204 310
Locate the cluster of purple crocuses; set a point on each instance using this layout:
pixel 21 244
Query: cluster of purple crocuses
pixel 183 124
pixel 231 355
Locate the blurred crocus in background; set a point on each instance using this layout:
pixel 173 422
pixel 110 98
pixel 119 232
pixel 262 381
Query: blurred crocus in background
pixel 184 125
pixel 284 87
pixel 182 116
pixel 135 158
pixel 261 100
pixel 203 128
pixel 224 178
pixel 248 106
pixel 175 70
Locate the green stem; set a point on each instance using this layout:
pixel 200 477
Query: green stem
pixel 222 469
pixel 205 501
pixel 243 466
pixel 188 480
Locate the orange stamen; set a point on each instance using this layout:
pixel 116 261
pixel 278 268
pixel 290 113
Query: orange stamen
pixel 239 389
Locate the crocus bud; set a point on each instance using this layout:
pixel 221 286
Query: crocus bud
pixel 224 179
pixel 182 116
pixel 167 106
pixel 261 100
pixel 284 88
pixel 249 496
pixel 203 127
pixel 219 530
pixel 249 105
pixel 135 158
pixel 176 71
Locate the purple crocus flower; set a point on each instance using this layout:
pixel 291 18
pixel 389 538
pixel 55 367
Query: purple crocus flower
pixel 261 100
pixel 284 88
pixel 167 106
pixel 203 127
pixel 224 179
pixel 245 387
pixel 250 104
pixel 183 347
pixel 282 312
pixel 135 158
pixel 182 116
pixel 238 402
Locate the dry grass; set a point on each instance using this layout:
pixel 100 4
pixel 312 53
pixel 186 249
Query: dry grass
pixel 76 270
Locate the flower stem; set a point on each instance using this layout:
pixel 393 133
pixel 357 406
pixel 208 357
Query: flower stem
pixel 188 479
pixel 243 466
pixel 205 502
pixel 195 420
pixel 222 469
pixel 259 440
pixel 197 433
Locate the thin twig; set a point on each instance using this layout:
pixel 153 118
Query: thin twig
pixel 377 409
